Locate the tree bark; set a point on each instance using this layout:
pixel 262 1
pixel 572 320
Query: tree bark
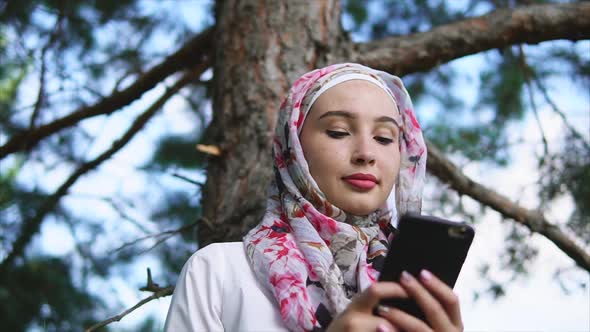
pixel 261 48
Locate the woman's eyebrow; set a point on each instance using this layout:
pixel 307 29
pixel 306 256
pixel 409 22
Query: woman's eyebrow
pixel 387 119
pixel 338 113
pixel 350 115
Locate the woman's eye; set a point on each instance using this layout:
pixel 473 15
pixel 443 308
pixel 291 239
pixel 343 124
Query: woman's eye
pixel 336 133
pixel 383 140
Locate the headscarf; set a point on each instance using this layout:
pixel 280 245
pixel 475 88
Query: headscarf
pixel 309 254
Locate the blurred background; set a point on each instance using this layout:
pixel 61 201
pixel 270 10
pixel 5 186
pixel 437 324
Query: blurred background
pixel 100 178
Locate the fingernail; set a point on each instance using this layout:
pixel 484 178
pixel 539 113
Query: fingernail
pixel 382 308
pixel 425 275
pixel 383 328
pixel 406 277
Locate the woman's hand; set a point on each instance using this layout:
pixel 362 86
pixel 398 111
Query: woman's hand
pixel 435 298
pixel 358 316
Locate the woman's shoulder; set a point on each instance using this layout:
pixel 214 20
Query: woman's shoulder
pixel 223 265
pixel 225 253
pixel 220 248
pixel 229 292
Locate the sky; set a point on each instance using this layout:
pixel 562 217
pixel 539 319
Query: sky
pixel 536 303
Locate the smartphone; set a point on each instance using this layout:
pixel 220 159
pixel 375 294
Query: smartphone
pixel 424 242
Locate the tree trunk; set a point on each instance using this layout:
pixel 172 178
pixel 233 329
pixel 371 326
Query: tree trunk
pixel 261 47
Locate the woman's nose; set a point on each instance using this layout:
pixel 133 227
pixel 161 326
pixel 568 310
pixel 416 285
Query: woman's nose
pixel 363 153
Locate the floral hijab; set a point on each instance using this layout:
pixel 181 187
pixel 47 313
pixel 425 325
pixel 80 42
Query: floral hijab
pixel 309 254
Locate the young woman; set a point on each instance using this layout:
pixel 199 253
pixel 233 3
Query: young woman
pixel 349 158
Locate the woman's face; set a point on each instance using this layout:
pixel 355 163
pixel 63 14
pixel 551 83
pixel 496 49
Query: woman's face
pixel 351 143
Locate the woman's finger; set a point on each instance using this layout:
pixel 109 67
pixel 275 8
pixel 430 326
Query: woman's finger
pixel 444 294
pixel 355 321
pixel 435 313
pixel 403 320
pixel 370 297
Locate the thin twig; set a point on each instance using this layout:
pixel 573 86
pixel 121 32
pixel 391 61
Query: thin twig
pixel 160 241
pixel 119 81
pixel 85 254
pixel 41 93
pixel 166 234
pixel 150 286
pixel 559 112
pixel 124 215
pixel 118 207
pixel 166 291
pixel 527 78
pixel 41 97
pixel 191 181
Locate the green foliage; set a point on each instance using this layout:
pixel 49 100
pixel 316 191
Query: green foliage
pixel 478 143
pixel 502 89
pixel 41 293
pixel 495 289
pixel 11 77
pixel 480 136
pixel 79 18
pixel 178 209
pixel 565 59
pixel 16 205
pixel 393 17
pixel 179 151
pixel 568 172
pixel 357 9
pixel 515 262
pixel 519 253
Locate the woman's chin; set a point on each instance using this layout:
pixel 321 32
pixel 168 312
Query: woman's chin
pixel 359 209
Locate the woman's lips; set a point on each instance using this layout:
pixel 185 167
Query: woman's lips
pixel 361 181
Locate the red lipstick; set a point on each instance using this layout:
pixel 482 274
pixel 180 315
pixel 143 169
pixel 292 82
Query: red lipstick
pixel 361 181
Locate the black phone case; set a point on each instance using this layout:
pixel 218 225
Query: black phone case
pixel 430 243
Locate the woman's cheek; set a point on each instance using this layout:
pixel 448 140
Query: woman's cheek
pixel 332 147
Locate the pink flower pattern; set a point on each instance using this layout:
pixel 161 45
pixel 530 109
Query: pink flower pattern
pixel 297 250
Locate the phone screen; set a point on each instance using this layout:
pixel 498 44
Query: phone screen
pixel 425 242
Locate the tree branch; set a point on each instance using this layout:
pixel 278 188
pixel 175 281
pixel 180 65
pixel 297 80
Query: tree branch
pixel 42 71
pixel 41 92
pixel 150 286
pixel 120 210
pixel 447 172
pixel 160 293
pixel 165 235
pixel 31 226
pixel 501 28
pixel 527 72
pixel 559 112
pixel 195 51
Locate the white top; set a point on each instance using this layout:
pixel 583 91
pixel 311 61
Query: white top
pixel 218 291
